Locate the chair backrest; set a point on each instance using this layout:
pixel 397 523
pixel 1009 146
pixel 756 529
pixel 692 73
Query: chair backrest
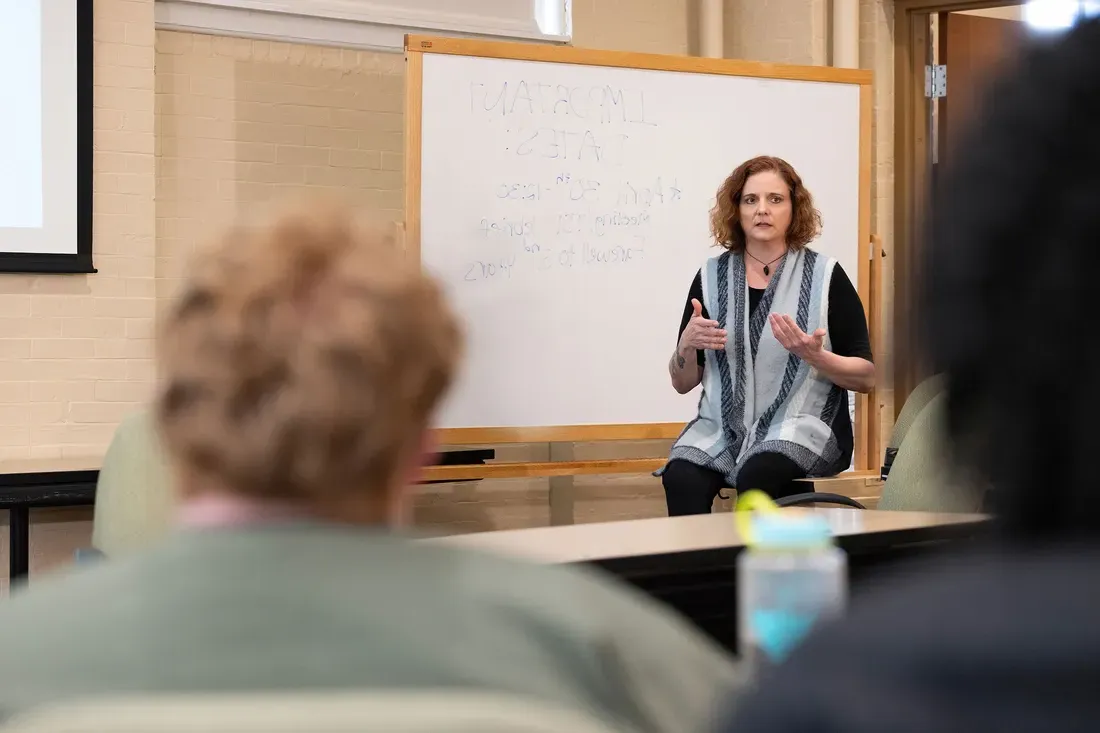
pixel 134 497
pixel 922 479
pixel 918 399
pixel 914 405
pixel 329 712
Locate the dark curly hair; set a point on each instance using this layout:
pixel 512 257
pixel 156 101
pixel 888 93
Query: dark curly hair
pixel 1008 297
pixel 725 217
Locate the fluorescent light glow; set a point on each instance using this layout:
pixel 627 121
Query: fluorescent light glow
pixel 554 17
pixel 1052 15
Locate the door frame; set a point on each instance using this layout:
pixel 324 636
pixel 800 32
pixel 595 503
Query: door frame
pixel 912 174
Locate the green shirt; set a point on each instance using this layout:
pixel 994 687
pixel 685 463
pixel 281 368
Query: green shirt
pixel 306 606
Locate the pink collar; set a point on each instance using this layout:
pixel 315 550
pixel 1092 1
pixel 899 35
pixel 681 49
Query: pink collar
pixel 222 510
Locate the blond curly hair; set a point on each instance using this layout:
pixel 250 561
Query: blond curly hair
pixel 302 360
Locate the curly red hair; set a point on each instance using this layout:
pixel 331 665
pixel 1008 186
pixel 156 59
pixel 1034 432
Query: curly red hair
pixel 725 218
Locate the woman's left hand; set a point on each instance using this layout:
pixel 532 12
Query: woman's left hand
pixel 805 346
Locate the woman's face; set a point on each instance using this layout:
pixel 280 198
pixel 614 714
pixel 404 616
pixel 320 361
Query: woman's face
pixel 765 208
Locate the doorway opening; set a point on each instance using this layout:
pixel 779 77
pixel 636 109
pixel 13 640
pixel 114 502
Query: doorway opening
pixel 946 53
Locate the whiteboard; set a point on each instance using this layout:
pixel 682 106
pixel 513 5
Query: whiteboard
pixel 564 208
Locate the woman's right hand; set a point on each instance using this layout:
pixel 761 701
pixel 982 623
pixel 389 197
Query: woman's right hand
pixel 702 333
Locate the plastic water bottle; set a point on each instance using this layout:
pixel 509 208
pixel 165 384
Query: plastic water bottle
pixel 790 577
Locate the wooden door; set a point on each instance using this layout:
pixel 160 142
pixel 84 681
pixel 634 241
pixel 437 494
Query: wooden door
pixel 975 49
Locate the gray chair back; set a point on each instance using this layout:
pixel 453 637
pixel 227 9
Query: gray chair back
pixel 134 497
pixel 922 477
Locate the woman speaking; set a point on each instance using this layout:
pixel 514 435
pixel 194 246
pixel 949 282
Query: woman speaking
pixel 776 334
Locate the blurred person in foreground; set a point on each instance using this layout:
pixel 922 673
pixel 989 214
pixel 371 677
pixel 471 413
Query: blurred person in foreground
pixel 299 371
pixel 1005 637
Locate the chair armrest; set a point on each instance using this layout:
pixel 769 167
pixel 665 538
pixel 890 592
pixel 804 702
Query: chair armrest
pixel 818 498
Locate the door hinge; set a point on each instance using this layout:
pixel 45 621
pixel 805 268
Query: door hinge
pixel 935 81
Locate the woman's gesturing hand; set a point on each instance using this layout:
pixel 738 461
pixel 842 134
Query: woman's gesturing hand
pixel 803 345
pixel 702 333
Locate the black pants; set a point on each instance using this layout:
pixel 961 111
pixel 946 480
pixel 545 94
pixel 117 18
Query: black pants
pixel 690 489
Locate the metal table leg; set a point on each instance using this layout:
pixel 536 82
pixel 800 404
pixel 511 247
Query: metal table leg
pixel 19 537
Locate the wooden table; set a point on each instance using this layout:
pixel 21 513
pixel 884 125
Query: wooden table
pixel 608 542
pixel 689 563
pixel 70 482
pixel 30 484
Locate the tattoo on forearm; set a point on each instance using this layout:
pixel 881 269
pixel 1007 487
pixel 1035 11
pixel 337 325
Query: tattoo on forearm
pixel 680 360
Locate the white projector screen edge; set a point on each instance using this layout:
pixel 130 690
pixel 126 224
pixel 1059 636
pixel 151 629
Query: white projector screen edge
pixel 57 239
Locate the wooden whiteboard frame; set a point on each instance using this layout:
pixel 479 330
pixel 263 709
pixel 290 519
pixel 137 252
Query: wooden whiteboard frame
pixel 415 48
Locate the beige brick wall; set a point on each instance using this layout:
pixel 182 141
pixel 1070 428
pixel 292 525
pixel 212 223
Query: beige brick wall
pixel 777 31
pixel 643 26
pixel 76 351
pixel 242 122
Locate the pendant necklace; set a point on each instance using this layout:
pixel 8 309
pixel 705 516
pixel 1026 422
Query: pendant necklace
pixel 767 265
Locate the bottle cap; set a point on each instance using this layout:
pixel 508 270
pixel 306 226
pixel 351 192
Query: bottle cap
pixel 783 530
